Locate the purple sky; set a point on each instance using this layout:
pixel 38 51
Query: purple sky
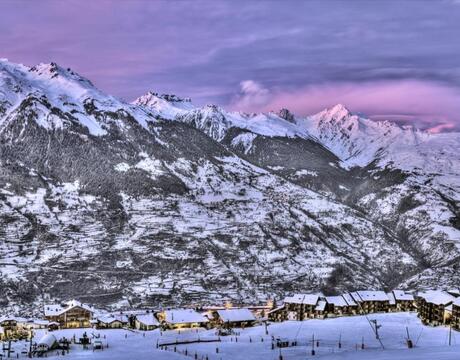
pixel 396 60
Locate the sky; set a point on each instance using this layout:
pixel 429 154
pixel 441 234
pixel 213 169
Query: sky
pixel 396 60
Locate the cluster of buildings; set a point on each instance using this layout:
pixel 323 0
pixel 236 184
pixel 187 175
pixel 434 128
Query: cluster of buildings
pixel 317 306
pixel 433 307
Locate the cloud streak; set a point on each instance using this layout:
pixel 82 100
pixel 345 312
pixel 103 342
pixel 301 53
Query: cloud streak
pixel 206 49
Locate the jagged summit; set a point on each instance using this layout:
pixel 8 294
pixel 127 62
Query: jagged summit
pixel 53 70
pixel 286 115
pixel 151 96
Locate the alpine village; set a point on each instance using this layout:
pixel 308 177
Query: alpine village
pixel 433 307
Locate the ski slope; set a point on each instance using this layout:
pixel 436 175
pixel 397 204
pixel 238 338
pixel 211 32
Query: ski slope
pixel 431 343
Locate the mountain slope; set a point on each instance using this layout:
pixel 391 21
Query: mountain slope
pixel 160 202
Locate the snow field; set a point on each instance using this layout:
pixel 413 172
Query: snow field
pixel 431 342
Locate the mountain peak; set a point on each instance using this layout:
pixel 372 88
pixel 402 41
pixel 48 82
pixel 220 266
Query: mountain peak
pixel 154 96
pixel 53 70
pixel 286 115
pixel 338 111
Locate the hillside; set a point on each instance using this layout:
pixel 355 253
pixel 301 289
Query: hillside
pixel 162 202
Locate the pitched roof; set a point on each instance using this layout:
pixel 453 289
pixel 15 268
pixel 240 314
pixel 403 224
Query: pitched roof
pixel 369 295
pixel 337 301
pixel 147 319
pixel 436 297
pixel 401 295
pixel 184 316
pixel 349 299
pixel 321 306
pixel 391 298
pixel 58 309
pixel 276 309
pixel 305 299
pixel 236 315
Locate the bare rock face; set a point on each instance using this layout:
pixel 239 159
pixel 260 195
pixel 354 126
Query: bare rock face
pixel 160 203
pixel 286 115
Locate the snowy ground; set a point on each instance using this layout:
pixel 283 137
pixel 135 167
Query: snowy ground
pixel 431 343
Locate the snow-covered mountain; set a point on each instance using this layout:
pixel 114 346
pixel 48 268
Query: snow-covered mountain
pixel 160 201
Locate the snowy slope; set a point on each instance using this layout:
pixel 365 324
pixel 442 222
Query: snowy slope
pixel 254 344
pixel 161 202
pixel 66 91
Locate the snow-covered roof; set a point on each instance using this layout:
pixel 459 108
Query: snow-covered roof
pixel 401 295
pixel 41 322
pixel 321 306
pixel 58 309
pixel 454 292
pixel 437 297
pixel 338 301
pixel 184 316
pixel 7 318
pixel 369 295
pixel 236 315
pixel 305 299
pixel 147 319
pixel 349 299
pixel 47 341
pixel 107 319
pixel 276 309
pixel 391 298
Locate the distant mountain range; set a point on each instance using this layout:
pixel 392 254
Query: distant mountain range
pixel 160 202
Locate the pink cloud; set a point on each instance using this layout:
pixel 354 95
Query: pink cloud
pixel 426 105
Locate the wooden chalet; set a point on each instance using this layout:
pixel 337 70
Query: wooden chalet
pixel 14 328
pixel 181 318
pixel 72 314
pixel 371 301
pixel 233 318
pixel 39 324
pixel 111 322
pixel 431 307
pixel 146 322
pixel 300 306
pixel 8 327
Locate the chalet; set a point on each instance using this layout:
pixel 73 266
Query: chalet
pixel 230 318
pixel 14 328
pixel 9 327
pixel 38 324
pixel 72 314
pixel 431 307
pixel 181 318
pixel 146 322
pixel 371 301
pixel 339 306
pixel 456 314
pixel 401 300
pixel 111 321
pixel 300 306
